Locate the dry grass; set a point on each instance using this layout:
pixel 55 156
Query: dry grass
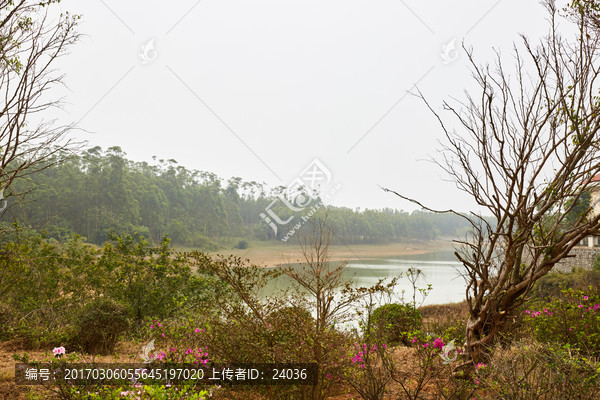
pixel 440 316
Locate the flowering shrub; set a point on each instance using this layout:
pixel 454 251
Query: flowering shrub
pixel 366 370
pixel 184 343
pixel 435 361
pixel 573 319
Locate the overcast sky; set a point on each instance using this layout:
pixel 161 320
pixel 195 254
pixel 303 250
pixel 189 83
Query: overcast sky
pixel 259 89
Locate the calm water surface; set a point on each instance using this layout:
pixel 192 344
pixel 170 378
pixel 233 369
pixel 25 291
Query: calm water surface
pixel 440 269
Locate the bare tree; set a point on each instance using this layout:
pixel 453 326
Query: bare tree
pixel 30 43
pixel 525 151
pixel 330 296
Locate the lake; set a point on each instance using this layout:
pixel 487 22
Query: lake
pixel 440 269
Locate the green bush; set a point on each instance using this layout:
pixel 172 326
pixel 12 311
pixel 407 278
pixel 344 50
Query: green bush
pixel 596 266
pixel 290 324
pixel 153 281
pixel 242 244
pixel 394 323
pixel 7 317
pixel 571 319
pixel 99 325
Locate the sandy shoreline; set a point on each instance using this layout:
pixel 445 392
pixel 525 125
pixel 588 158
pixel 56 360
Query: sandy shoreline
pixel 274 253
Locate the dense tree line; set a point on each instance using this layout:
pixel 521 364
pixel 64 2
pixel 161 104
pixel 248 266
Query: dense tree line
pixel 98 192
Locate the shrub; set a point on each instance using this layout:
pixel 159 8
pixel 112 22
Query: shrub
pixel 572 319
pixel 242 244
pixel 551 284
pixel 596 266
pixel 393 323
pixel 7 317
pixel 99 325
pixel 533 370
pixel 290 324
pixel 154 281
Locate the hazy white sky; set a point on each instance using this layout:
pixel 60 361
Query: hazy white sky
pixel 258 89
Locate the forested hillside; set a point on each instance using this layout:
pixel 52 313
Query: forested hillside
pixel 100 191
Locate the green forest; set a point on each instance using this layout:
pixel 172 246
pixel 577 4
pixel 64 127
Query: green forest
pixel 98 192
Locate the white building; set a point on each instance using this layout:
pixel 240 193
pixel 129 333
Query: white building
pixel 594 190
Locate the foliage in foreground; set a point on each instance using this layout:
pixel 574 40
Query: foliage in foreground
pixel 56 292
pixel 218 314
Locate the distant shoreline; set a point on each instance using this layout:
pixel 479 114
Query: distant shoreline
pixel 271 253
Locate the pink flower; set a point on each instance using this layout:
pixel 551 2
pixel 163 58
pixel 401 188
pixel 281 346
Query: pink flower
pixel 426 345
pixel 197 330
pixel 585 297
pixel 414 340
pixel 58 351
pixel 438 343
